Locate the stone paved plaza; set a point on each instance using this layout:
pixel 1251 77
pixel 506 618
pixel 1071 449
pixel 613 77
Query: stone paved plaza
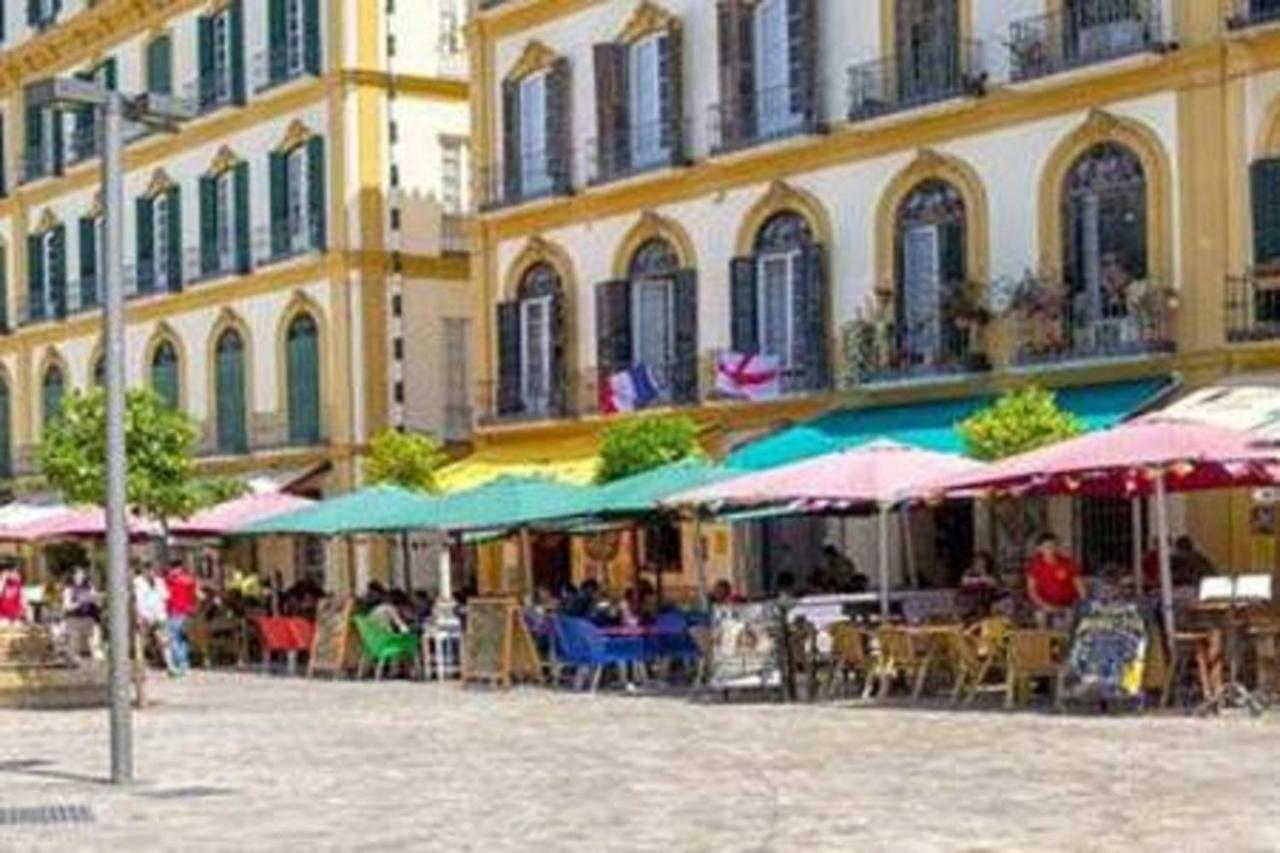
pixel 242 762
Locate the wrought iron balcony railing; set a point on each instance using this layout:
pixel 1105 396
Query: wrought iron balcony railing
pixel 538 174
pixel 268 431
pixel 639 148
pixel 1055 325
pixel 1253 13
pixel 907 81
pixel 1252 307
pixel 555 399
pixel 905 350
pixel 766 115
pixel 1084 33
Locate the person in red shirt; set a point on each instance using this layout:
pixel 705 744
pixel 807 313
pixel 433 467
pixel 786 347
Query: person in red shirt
pixel 13 606
pixel 1055 583
pixel 181 606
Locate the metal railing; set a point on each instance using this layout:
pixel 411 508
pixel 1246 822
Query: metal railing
pixel 1253 13
pixel 768 114
pixel 281 241
pixel 795 379
pixel 903 82
pixel 1252 307
pixel 1084 33
pixel 923 348
pixel 675 383
pixel 641 148
pixel 540 174
pixel 560 399
pixel 270 67
pixel 1071 327
pixel 267 431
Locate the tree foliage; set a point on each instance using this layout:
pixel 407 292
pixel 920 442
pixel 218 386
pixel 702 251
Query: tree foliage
pixel 1019 421
pixel 160 442
pixel 632 447
pixel 405 459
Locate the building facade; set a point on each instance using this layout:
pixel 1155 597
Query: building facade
pixel 296 254
pixel 888 201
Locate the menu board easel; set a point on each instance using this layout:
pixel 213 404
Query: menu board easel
pixel 333 637
pixel 497 646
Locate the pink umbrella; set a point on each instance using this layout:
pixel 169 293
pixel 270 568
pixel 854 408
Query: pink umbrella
pixel 1153 456
pixel 74 523
pixel 873 477
pixel 228 516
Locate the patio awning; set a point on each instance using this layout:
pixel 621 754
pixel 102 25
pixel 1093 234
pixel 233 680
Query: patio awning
pixel 225 518
pixel 642 493
pixel 1249 403
pixel 377 509
pixel 572 461
pixel 932 426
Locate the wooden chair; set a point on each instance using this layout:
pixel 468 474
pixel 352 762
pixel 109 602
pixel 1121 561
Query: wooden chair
pixel 804 659
pixel 1033 654
pixel 849 655
pixel 902 652
pixel 1193 653
pixel 979 654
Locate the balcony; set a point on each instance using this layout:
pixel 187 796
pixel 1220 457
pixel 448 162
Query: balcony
pixel 267 432
pixel 1253 13
pixel 547 173
pixel 794 380
pixel 768 115
pixel 663 385
pixel 1252 307
pixel 1084 34
pixel 561 399
pixel 641 148
pixel 273 67
pixel 1051 325
pixel 897 83
pixel 282 241
pixel 888 352
pixel 455 233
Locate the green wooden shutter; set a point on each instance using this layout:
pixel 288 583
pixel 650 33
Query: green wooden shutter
pixel 164 375
pixel 811 314
pixel 5 326
pixel 205 59
pixel 243 261
pixel 613 127
pixel 802 57
pixel 744 310
pixel 208 224
pixel 510 400
pixel 559 125
pixel 6 439
pixel 58 271
pixel 35 277
pixel 237 52
pixel 315 191
pixel 160 66
pixel 1264 175
pixel 229 391
pixel 671 77
pixel 684 373
pixel 311 34
pixel 277 48
pixel 509 181
pixel 35 143
pixel 174 196
pixel 33 14
pixel 613 326
pixel 304 381
pixel 88 261
pixel 59 144
pixel 145 260
pixel 110 73
pixel 279 207
pixel 51 395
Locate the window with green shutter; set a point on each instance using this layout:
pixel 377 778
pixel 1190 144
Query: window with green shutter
pixel 145 235
pixel 90 251
pixel 56 270
pixel 229 392
pixel 303 380
pixel 1264 176
pixel 35 277
pixel 160 65
pixel 51 391
pixel 164 374
pixel 220 40
pixel 244 262
pixel 316 193
pixel 6 435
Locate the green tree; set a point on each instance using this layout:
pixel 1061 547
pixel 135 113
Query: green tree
pixel 405 459
pixel 632 447
pixel 1019 421
pixel 162 482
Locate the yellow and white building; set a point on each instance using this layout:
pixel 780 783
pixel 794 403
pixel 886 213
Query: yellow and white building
pixel 901 201
pixel 296 254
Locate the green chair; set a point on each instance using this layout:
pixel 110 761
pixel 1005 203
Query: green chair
pixel 383 646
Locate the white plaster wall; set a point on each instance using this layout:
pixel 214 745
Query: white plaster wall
pixel 416 25
pixel 418 155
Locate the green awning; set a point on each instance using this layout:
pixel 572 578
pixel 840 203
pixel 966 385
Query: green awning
pixel 932 426
pixel 510 502
pixel 378 509
pixel 642 493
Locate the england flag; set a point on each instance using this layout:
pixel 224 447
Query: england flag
pixel 748 377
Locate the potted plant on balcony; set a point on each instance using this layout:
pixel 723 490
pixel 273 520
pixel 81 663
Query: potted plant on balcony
pixel 967 305
pixel 1151 304
pixel 1037 305
pixel 867 339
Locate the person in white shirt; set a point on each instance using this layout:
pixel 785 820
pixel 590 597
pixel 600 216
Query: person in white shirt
pixel 151 598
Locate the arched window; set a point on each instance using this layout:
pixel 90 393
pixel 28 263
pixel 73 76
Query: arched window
pixel 1104 232
pixel 931 266
pixel 531 341
pixel 230 392
pixel 653 320
pixel 303 364
pixel 51 392
pixel 165 381
pixel 6 449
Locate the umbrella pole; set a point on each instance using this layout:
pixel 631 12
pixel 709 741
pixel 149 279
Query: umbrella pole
pixel 884 562
pixel 699 561
pixel 1135 504
pixel 408 562
pixel 1166 570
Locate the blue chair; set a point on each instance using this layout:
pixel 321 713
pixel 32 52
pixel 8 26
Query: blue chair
pixel 581 645
pixel 671 639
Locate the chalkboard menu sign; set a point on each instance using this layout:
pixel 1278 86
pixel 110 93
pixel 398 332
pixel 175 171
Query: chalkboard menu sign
pixel 497 645
pixel 1108 653
pixel 329 648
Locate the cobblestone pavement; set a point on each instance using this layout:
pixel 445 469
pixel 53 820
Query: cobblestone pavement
pixel 242 762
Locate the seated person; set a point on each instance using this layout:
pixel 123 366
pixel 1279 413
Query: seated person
pixel 979 588
pixel 1188 564
pixel 1055 583
pixel 584 603
pixel 837 573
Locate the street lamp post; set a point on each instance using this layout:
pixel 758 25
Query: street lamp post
pixel 163 113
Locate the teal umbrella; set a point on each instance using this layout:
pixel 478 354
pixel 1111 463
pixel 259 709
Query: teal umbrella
pixel 510 502
pixel 642 493
pixel 377 509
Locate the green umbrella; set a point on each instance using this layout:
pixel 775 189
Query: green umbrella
pixel 377 509
pixel 642 493
pixel 509 502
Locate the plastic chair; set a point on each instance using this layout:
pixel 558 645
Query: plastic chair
pixel 383 646
pixel 671 638
pixel 580 644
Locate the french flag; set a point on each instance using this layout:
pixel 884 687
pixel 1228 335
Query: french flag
pixel 748 377
pixel 629 390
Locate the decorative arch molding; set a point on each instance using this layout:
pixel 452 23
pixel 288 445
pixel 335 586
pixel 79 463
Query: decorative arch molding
pixel 224 161
pixel 160 183
pixel 648 19
pixel 228 320
pixel 300 304
pixel 540 251
pixel 295 136
pixel 654 226
pixel 932 165
pixel 163 333
pixel 47 222
pixel 535 57
pixel 1101 126
pixel 782 197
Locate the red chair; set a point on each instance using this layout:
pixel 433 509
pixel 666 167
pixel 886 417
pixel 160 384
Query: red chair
pixel 283 636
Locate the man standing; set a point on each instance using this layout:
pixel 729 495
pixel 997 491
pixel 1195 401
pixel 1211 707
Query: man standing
pixel 181 607
pixel 1055 583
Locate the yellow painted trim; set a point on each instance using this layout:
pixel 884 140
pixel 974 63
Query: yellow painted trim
pixel 540 251
pixel 410 85
pixel 519 15
pixel 223 162
pixel 164 333
pixel 648 19
pixel 229 320
pixel 160 183
pixel 535 57
pixel 295 136
pixel 654 226
pixel 52 358
pixel 780 197
pixel 301 305
pixel 371 112
pixel 47 222
pixel 1102 127
pixel 930 165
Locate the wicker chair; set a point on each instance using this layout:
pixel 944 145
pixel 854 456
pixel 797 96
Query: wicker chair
pixel 1033 654
pixel 849 656
pixel 902 652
